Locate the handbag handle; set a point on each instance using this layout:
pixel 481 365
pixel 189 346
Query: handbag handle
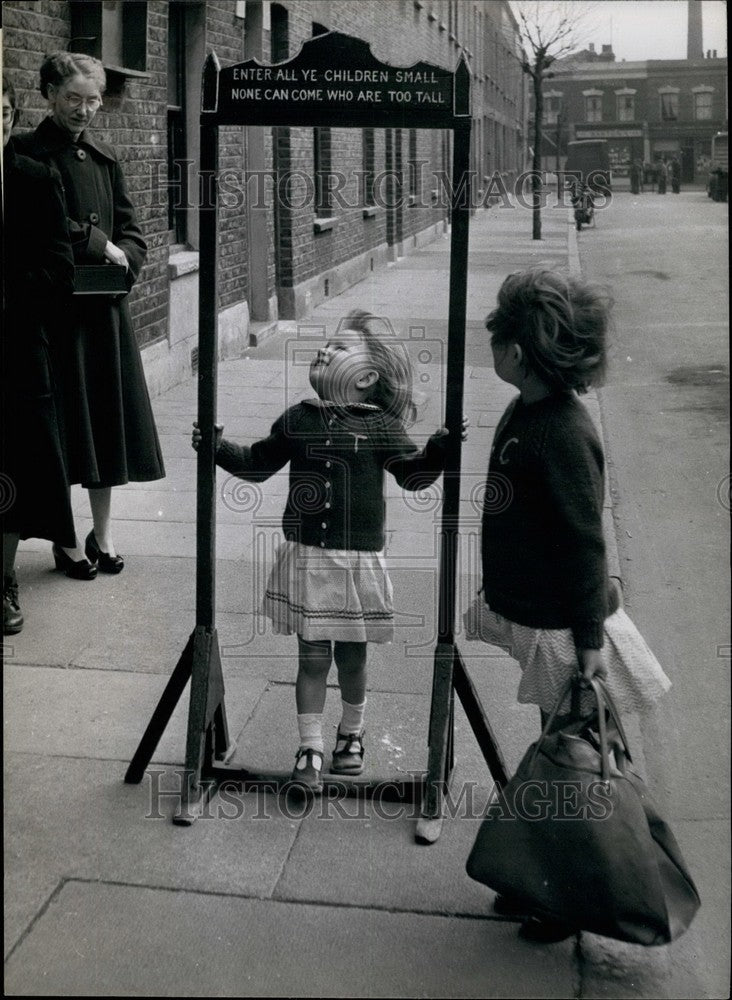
pixel 603 700
pixel 614 714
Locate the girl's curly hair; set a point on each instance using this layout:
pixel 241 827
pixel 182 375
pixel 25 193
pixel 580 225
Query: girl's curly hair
pixel 559 322
pixel 60 66
pixel 393 390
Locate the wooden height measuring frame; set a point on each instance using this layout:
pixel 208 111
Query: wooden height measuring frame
pixel 333 81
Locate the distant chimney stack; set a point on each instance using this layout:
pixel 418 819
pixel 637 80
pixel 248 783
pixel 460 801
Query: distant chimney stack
pixel 694 40
pixel 592 46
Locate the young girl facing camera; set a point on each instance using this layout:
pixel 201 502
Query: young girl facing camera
pixel 547 597
pixel 330 584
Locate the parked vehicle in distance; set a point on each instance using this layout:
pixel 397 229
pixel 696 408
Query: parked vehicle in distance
pixel 589 161
pixel 718 168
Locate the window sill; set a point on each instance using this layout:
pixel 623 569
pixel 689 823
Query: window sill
pixel 123 71
pixel 369 212
pixel 182 262
pixel 324 224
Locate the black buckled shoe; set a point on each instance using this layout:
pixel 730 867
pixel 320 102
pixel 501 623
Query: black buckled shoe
pixel 348 753
pixel 106 563
pixel 308 770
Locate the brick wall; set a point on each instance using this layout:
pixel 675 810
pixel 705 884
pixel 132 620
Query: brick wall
pixel 134 121
pixel 225 35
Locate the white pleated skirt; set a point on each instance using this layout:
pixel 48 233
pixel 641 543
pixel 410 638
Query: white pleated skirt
pixel 339 594
pixel 548 659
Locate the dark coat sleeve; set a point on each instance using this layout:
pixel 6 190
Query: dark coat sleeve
pixel 573 473
pixel 413 469
pixel 259 461
pixel 54 273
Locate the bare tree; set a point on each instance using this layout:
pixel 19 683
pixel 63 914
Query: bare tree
pixel 549 31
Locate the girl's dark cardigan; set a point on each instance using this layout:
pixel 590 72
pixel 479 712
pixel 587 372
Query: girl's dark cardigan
pixel 337 458
pixel 543 548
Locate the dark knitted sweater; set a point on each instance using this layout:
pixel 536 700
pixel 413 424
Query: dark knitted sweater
pixel 544 561
pixel 337 458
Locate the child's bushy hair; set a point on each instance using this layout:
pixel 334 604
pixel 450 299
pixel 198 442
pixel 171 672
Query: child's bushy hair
pixel 393 390
pixel 559 322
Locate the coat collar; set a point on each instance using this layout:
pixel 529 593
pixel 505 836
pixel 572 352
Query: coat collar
pixel 49 138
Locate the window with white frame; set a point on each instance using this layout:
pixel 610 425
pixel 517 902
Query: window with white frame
pixel 703 105
pixel 593 108
pixel 669 105
pixel 626 107
pixel 552 108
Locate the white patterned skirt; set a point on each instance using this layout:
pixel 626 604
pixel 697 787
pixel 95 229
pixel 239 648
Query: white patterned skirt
pixel 548 659
pixel 340 594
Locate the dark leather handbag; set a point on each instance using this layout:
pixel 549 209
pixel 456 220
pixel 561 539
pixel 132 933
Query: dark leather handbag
pixel 575 837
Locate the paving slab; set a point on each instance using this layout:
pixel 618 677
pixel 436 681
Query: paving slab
pixel 101 714
pixel 106 830
pixel 377 862
pixel 186 944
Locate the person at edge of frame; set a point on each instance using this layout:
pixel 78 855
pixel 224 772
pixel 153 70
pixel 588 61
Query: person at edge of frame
pixel 38 278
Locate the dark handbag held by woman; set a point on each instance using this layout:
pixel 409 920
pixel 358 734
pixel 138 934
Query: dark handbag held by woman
pixel 576 837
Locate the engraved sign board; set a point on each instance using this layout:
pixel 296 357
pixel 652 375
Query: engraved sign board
pixel 336 80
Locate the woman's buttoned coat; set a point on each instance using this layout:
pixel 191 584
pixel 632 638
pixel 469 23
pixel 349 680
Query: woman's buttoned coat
pixel 109 426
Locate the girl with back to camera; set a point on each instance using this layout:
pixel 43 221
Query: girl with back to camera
pixel 330 584
pixel 547 597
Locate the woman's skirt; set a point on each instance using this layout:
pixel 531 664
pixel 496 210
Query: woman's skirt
pixel 337 594
pixel 548 659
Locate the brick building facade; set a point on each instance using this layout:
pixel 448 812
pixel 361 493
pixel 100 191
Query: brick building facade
pixel 291 233
pixel 650 110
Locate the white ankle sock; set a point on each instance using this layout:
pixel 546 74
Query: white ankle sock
pixel 352 719
pixel 310 727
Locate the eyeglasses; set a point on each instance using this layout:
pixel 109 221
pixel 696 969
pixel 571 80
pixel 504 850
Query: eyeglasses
pixel 75 101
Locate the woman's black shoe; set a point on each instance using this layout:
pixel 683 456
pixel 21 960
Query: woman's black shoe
pixel 107 563
pixel 81 570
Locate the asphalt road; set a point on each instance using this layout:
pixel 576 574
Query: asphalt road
pixel 666 419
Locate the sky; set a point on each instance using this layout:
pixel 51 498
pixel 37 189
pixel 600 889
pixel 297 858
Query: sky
pixel 651 29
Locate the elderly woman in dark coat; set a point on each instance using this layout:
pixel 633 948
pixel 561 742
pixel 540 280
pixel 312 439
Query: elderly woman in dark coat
pixel 109 426
pixel 38 274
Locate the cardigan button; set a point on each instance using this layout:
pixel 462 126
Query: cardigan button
pixel 93 218
pixel 324 524
pixel 327 506
pixel 80 154
pixel 328 441
pixel 328 465
pixel 322 545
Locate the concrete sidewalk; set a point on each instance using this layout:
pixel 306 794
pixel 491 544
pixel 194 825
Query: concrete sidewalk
pixel 104 895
